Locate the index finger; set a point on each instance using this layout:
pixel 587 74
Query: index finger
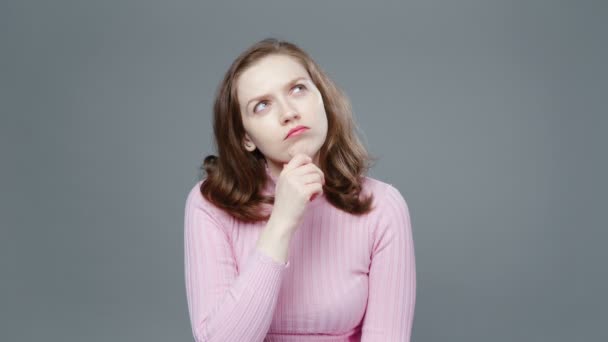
pixel 297 160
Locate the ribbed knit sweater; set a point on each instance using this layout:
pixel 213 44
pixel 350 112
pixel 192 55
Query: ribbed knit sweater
pixel 347 277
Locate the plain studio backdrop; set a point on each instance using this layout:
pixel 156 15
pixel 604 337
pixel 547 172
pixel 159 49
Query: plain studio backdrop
pixel 490 117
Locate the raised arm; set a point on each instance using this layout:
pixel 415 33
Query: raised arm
pixel 224 305
pixel 392 275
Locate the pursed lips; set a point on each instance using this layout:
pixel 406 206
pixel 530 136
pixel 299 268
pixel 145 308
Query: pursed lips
pixel 296 131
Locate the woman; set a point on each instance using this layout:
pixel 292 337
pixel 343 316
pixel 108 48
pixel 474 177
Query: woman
pixel 286 239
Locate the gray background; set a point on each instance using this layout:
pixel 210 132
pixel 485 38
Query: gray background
pixel 488 116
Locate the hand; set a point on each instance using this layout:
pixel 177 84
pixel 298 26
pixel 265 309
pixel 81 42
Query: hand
pixel 298 183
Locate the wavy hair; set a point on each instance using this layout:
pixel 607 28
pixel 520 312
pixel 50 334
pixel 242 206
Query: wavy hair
pixel 236 177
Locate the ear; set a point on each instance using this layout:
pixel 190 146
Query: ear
pixel 248 143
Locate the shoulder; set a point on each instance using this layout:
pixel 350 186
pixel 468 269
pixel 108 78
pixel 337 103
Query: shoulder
pixel 386 196
pixel 194 196
pixel 392 215
pixel 374 185
pixel 380 189
pixel 195 201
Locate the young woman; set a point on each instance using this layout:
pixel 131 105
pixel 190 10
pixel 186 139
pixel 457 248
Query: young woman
pixel 286 238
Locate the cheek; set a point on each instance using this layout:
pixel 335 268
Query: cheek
pixel 320 108
pixel 320 111
pixel 264 134
pixel 252 131
pixel 314 105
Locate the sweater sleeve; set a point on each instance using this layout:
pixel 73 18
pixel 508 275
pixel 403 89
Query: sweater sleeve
pixel 392 275
pixel 224 305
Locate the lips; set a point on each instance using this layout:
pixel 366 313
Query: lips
pixel 295 130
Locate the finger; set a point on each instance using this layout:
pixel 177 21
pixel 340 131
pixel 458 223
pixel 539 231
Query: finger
pixel 314 189
pixel 296 161
pixel 309 168
pixel 294 150
pixel 312 178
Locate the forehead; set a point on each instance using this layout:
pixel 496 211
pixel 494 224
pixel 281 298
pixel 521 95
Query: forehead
pixel 268 74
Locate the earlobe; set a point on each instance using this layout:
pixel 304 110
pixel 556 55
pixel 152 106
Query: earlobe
pixel 249 145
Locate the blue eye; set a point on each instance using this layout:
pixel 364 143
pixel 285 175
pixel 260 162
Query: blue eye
pixel 254 108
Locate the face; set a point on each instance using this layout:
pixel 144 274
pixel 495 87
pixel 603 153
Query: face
pixel 275 95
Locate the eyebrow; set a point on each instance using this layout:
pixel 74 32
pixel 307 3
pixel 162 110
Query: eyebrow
pixel 287 85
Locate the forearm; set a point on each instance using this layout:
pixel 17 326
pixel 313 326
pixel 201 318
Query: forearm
pixel 274 240
pixel 227 304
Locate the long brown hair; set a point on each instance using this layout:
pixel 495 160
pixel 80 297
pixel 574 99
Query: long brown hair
pixel 236 177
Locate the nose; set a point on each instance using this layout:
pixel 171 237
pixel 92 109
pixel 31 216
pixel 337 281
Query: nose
pixel 289 113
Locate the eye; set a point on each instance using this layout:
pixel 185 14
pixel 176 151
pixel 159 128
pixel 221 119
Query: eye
pixel 256 106
pixel 299 86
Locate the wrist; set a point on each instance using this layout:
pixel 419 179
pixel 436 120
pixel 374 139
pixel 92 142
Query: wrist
pixel 280 228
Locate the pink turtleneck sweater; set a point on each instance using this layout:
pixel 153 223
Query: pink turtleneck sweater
pixel 347 278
